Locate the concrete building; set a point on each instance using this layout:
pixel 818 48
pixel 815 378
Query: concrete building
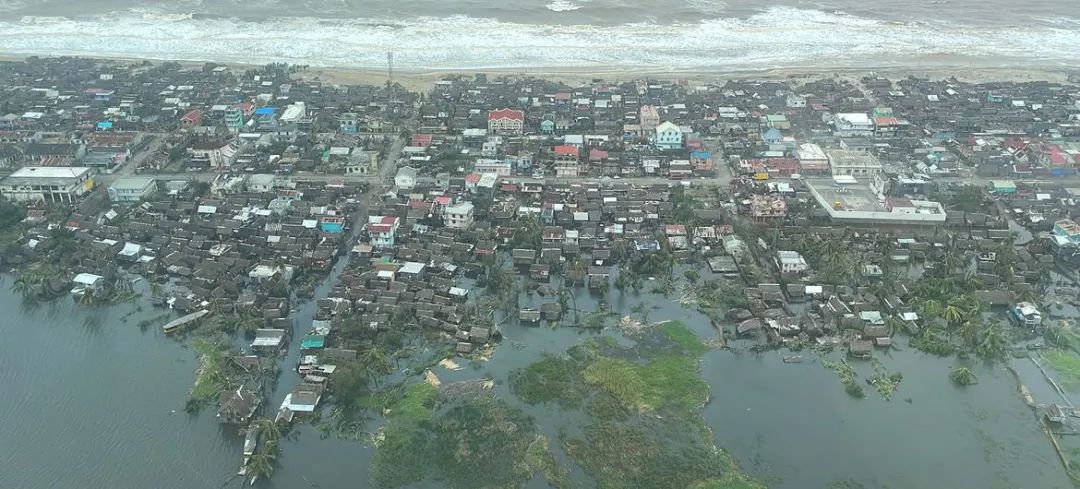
pixel 506 121
pixel 812 159
pixel 853 125
pixel 669 136
pixel 382 231
pixel 790 262
pixel 261 182
pixel 501 168
pixel 1066 231
pixel 566 161
pixel 49 184
pixel 405 178
pixel 853 163
pixel 649 119
pixel 132 189
pixel 459 216
pixel 845 199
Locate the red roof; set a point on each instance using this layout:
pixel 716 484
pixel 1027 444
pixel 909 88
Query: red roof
pixel 389 220
pixel 597 154
pixel 193 116
pixel 472 178
pixel 379 228
pixel 566 150
pixel 511 114
pixel 886 121
pixel 421 139
pixel 442 200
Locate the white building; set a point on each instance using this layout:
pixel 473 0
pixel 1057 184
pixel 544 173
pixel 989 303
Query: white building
pixel 853 125
pixel 47 183
pixel 853 163
pixel 649 119
pixel 506 121
pixel 405 178
pixel 382 230
pixel 459 215
pixel 812 159
pixel 500 168
pixel 132 189
pixel 669 136
pixel 790 262
pixel 795 101
pixel 261 182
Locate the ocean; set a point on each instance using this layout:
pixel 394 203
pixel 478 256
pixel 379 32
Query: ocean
pixel 655 35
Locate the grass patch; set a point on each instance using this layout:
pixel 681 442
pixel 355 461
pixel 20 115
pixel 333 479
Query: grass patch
pixel 553 379
pixel 477 442
pixel 417 403
pixel 679 334
pixel 732 480
pixel 210 380
pixel 1067 365
pixel 403 456
pixel 666 382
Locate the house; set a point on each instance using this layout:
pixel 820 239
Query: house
pixel 668 136
pixel 506 122
pixel 649 119
pixel 405 178
pixel 48 184
pixel 237 406
pixel 382 231
pixel 790 262
pixel 566 161
pixel 261 182
pixel 268 340
pixel 132 189
pixel 87 282
pixel 767 207
pixel 458 216
pixel 853 125
pixel 1066 231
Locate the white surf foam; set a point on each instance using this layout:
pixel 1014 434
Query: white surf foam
pixel 778 37
pixel 562 6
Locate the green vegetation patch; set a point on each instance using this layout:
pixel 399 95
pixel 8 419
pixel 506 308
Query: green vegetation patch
pixel 1067 365
pixel 479 442
pixel 732 480
pixel 476 443
pixel 210 379
pixel 670 382
pixel 684 337
pixel 552 379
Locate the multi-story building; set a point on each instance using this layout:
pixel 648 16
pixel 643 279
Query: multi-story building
pixel 566 161
pixel 790 262
pixel 649 119
pixel 853 163
pixel 132 189
pixel 853 125
pixel 669 136
pixel 49 184
pixel 382 231
pixel 506 121
pixel 812 159
pixel 1067 231
pixel 459 216
pixel 500 168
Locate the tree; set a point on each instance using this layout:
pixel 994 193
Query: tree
pixel 994 342
pixel 692 276
pixel 952 314
pixel 266 428
pixel 963 376
pixel 376 363
pixel 263 461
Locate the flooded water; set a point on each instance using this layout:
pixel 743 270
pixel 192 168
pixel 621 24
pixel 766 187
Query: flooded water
pixel 98 396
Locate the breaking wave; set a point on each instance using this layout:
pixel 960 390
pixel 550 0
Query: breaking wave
pixel 776 38
pixel 562 6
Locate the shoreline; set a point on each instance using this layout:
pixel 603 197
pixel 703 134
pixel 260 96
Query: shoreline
pixel 937 68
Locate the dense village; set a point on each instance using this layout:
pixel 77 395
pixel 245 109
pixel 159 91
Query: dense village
pixel 856 214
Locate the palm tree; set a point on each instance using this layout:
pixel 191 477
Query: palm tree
pixel 262 463
pixel 156 290
pixel 22 285
pixel 931 307
pixel 376 363
pixel 967 331
pixel 266 428
pixel 87 298
pixel 994 342
pixel 952 314
pixel 963 376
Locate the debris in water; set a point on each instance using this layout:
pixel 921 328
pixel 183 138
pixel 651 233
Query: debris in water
pixel 449 364
pixel 431 378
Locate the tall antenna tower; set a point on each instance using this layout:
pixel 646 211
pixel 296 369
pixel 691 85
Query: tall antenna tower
pixel 389 69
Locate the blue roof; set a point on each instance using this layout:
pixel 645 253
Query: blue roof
pixel 105 125
pixel 265 110
pixel 331 227
pixel 773 133
pixel 700 154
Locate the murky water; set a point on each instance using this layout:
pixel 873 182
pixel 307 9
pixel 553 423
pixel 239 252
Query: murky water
pixel 99 398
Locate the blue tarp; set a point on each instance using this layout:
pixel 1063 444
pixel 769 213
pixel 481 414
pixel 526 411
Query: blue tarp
pixel 331 227
pixel 265 111
pixel 104 125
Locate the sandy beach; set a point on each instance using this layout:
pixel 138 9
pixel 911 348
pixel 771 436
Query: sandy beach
pixel 941 67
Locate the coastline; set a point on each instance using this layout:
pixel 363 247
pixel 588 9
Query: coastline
pixel 935 67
